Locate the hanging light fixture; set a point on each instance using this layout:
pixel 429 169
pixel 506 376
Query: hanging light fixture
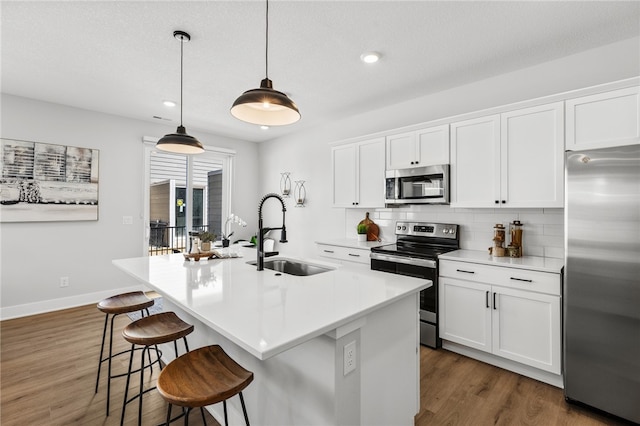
pixel 180 142
pixel 265 106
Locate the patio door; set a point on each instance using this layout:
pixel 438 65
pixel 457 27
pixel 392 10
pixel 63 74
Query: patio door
pixel 183 193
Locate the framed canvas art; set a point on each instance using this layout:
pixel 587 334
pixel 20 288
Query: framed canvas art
pixel 41 182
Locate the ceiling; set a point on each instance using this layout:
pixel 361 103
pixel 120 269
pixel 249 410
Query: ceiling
pixel 121 58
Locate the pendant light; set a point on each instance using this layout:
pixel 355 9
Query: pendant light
pixel 265 106
pixel 180 142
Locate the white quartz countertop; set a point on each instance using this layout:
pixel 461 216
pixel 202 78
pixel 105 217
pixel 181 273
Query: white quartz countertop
pixel 265 313
pixel 532 263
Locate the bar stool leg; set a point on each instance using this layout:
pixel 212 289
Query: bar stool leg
pixel 224 405
pixel 104 334
pixel 146 348
pixel 204 419
pixel 244 410
pixel 126 387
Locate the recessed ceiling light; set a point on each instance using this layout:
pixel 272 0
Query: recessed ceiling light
pixel 370 57
pixel 169 103
pixel 264 127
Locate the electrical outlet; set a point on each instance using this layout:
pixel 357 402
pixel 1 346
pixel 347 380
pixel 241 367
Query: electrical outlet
pixel 127 220
pixel 349 357
pixel 64 281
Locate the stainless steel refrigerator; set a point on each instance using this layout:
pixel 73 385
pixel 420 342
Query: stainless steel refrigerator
pixel 601 297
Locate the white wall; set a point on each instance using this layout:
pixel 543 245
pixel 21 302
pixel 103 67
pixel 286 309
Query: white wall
pixel 307 154
pixel 35 255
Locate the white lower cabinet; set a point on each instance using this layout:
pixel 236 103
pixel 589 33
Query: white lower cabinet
pixel 508 312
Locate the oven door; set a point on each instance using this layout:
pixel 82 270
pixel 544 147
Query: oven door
pixel 419 268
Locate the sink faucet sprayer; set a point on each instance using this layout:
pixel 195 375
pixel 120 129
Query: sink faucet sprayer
pixel 262 231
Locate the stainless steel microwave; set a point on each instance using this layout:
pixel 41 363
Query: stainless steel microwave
pixel 420 185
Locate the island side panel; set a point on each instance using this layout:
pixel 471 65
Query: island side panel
pixel 390 347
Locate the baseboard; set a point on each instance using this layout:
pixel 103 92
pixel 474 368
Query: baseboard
pixel 17 311
pixel 516 367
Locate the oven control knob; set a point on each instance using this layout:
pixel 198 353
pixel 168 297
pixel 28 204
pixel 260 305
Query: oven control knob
pixel 404 228
pixel 398 227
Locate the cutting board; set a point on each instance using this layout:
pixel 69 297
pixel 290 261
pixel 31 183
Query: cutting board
pixel 373 231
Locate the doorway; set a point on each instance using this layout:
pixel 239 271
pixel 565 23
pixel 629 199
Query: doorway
pixel 184 193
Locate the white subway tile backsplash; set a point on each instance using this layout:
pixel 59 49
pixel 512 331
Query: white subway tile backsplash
pixel 543 229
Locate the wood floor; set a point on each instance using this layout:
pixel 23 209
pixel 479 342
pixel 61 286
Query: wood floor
pixel 48 368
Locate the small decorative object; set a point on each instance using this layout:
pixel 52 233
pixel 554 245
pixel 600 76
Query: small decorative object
pixel 230 220
pixel 300 193
pixel 206 238
pixel 285 184
pixel 515 230
pixel 373 231
pixel 498 240
pixel 195 242
pixel 362 231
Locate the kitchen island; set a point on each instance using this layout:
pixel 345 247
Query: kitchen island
pixel 291 331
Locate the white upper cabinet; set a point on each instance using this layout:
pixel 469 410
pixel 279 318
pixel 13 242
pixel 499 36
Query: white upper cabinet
pixel 604 120
pixel 425 147
pixel 475 162
pixel 514 159
pixel 358 174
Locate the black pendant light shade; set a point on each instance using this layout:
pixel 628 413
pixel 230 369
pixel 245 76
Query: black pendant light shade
pixel 180 142
pixel 265 106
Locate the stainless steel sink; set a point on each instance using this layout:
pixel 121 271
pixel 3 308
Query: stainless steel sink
pixel 293 267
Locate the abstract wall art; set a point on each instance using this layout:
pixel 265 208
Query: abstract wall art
pixel 41 182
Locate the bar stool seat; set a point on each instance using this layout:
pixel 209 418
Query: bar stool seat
pixel 150 331
pixel 115 305
pixel 203 377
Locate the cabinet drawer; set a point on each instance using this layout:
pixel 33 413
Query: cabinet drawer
pixel 541 282
pixel 344 253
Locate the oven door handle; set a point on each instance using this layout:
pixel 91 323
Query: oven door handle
pixel 428 263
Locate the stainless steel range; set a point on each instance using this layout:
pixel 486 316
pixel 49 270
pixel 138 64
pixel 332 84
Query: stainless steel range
pixel 415 254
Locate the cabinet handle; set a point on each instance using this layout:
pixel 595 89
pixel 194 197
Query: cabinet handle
pixel 466 272
pixel 494 301
pixel 504 201
pixel 328 251
pixel 412 162
pixel 497 202
pixel 417 162
pixel 354 255
pixel 486 298
pixel 521 279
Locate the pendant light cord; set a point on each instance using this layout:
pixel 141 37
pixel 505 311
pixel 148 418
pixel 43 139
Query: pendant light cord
pixel 181 77
pixel 266 48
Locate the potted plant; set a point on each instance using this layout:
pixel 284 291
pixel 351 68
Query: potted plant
pixel 206 238
pixel 230 221
pixel 362 232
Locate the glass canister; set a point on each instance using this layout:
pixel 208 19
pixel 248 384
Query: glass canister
pixel 498 240
pixel 515 230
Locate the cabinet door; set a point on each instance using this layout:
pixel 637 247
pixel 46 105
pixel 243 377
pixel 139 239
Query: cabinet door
pixel 370 167
pixel 401 151
pixel 604 120
pixel 465 313
pixel 475 162
pixel 344 175
pixel 433 146
pixel 532 157
pixel 526 328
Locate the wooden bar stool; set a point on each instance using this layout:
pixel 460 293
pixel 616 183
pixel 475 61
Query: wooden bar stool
pixel 203 377
pixel 146 332
pixel 114 306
